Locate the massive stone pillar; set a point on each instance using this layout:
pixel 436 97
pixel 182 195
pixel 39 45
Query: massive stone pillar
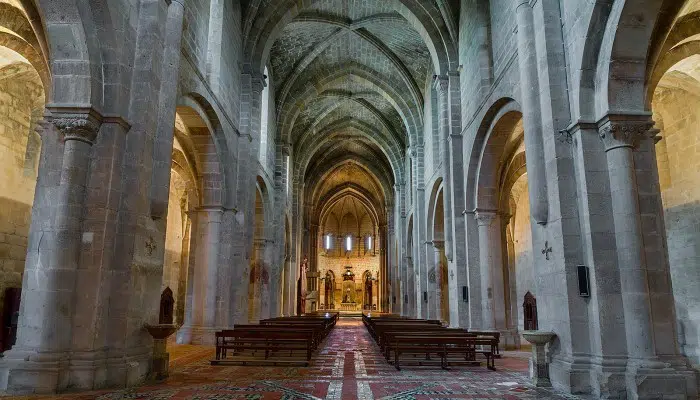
pixel 440 295
pixel 268 295
pixel 491 254
pixel 163 141
pixel 39 360
pixel 619 138
pixel 203 324
pixel 449 123
pixel 474 307
pixel 529 84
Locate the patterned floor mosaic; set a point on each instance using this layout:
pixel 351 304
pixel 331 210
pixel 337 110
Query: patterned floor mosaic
pixel 348 366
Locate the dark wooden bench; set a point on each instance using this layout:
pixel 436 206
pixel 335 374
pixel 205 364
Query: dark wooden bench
pixel 442 346
pixel 270 341
pixel 496 338
pixel 388 336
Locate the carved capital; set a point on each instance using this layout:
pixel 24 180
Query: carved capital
pixel 442 84
pixel 439 244
pixel 77 124
pixel 485 218
pixel 258 82
pixel 625 130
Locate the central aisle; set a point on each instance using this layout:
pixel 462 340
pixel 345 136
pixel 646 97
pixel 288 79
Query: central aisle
pixel 348 366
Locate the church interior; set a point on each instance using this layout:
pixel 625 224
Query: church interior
pixel 349 199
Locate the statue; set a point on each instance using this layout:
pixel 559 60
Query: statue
pixel 347 296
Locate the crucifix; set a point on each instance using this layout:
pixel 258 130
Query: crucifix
pixel 547 249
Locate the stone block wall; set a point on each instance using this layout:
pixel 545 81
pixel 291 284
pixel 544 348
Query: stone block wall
pixel 678 160
pixel 231 54
pixel 196 31
pixel 20 94
pixel 504 43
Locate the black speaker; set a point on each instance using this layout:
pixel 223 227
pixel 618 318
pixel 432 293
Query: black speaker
pixel 393 300
pixel 405 299
pixel 465 294
pixel 584 287
pixel 425 297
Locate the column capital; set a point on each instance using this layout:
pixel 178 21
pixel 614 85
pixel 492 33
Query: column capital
pixel 485 217
pixel 76 123
pixel 438 244
pixel 625 130
pixel 258 82
pixel 286 148
pixel 441 83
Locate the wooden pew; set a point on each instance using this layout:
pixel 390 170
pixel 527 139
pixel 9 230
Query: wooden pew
pixel 272 340
pixel 496 338
pixel 442 346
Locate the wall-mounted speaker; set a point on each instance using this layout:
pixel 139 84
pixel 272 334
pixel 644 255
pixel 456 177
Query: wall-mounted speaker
pixel 393 300
pixel 425 297
pixel 465 294
pixel 584 287
pixel 405 299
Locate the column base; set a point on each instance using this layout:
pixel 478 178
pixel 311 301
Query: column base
pixel 622 378
pixel 204 336
pixel 670 378
pixel 30 372
pixel 510 340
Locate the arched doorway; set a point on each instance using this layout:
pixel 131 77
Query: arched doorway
pixel 674 93
pixel 23 95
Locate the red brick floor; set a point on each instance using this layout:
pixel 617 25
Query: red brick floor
pixel 348 366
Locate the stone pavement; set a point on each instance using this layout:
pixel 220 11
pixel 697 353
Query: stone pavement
pixel 349 366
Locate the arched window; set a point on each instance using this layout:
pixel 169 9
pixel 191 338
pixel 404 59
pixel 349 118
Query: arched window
pixel 530 312
pixel 328 241
pixel 348 243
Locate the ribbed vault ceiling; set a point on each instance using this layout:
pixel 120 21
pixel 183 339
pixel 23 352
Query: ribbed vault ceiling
pixel 348 77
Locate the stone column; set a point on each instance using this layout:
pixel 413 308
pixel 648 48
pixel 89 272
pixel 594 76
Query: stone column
pixel 532 122
pixel 411 284
pixel 620 134
pixel 163 141
pixel 266 276
pixel 41 354
pixel 438 249
pixel 204 277
pixel 491 263
pixel 442 84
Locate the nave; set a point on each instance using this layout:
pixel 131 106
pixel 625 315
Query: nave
pixel 348 365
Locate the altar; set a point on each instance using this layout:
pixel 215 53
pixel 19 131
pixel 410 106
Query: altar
pixel 349 307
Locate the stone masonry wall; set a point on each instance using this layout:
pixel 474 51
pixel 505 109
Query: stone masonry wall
pixel 504 43
pixel 19 94
pixel 196 31
pixel 679 173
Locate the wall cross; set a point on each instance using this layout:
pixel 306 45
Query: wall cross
pixel 547 249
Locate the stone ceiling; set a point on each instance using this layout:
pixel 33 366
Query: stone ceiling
pixel 349 77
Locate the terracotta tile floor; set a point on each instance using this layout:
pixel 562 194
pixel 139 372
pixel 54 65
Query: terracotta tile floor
pixel 348 366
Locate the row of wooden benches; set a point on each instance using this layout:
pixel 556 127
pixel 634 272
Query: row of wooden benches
pixel 275 340
pixel 422 339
